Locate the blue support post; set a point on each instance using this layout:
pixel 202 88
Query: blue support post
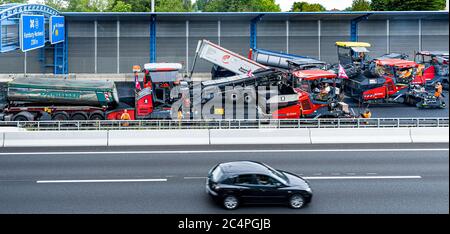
pixel 354 27
pixel 1 39
pixel 60 56
pixel 254 31
pixel 153 39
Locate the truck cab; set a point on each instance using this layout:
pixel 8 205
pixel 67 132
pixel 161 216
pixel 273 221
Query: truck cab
pixel 153 96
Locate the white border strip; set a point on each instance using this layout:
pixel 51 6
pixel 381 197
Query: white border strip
pixel 224 151
pixel 361 177
pixel 99 181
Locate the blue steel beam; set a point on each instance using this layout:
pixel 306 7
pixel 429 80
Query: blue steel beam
pixel 153 39
pixel 254 31
pixel 354 26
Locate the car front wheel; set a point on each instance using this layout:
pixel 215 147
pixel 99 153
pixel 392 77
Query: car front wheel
pixel 230 202
pixel 296 201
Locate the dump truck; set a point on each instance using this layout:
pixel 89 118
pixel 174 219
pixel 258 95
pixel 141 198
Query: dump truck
pixel 26 99
pixel 39 99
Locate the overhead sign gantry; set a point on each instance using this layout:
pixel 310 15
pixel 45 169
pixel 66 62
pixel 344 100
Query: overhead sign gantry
pixel 32 26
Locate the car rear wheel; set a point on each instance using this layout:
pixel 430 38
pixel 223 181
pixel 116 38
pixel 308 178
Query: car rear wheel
pixel 230 202
pixel 296 201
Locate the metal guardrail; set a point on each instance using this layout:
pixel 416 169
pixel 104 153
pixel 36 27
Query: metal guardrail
pixel 228 124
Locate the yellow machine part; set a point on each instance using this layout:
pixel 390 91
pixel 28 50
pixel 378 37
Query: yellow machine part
pixel 352 44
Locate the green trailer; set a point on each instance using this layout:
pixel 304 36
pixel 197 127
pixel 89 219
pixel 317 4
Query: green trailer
pixel 29 99
pixel 62 92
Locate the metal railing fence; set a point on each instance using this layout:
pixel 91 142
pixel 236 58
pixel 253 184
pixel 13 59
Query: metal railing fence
pixel 226 124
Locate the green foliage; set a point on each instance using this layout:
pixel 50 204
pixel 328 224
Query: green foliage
pixel 121 6
pixel 361 5
pixel 408 5
pixel 242 6
pixel 12 1
pixel 160 5
pixel 306 7
pixel 200 5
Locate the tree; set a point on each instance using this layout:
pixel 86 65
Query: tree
pixel 242 6
pixel 160 5
pixel 306 7
pixel 121 6
pixel 12 1
pixel 200 5
pixel 408 5
pixel 361 5
pixel 60 5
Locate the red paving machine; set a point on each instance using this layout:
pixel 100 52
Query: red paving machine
pixel 434 66
pixel 384 80
pixel 319 94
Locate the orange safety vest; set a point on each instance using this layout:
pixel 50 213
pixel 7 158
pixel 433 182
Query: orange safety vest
pixel 438 91
pixel 125 116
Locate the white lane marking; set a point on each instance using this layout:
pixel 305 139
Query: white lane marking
pixel 195 178
pixel 100 181
pixel 222 151
pixel 360 177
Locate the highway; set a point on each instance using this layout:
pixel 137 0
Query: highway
pixel 366 178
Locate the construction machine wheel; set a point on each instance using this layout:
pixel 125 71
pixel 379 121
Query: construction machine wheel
pixel 97 116
pixel 80 116
pixel 23 116
pixel 60 116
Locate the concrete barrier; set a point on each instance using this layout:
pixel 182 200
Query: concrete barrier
pixel 259 136
pixel 55 138
pixel 360 135
pixel 430 135
pixel 159 137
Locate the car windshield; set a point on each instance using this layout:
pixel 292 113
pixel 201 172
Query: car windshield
pixel 217 174
pixel 277 174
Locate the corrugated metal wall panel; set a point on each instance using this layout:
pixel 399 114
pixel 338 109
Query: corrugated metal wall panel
pixel 81 47
pixel 12 62
pixel 134 45
pixel 34 64
pixel 107 47
pixel 235 36
pixel 333 31
pixel 375 33
pixel 435 35
pixel 171 42
pixel 303 38
pixel 404 36
pixel 198 31
pixel 272 36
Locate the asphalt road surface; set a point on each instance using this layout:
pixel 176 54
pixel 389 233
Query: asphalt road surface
pixel 377 178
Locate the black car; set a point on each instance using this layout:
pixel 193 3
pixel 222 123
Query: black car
pixel 236 183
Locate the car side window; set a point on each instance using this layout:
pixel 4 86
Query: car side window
pixel 245 179
pixel 266 180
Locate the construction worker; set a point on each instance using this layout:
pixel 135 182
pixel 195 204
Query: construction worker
pixel 367 114
pixel 438 90
pixel 125 116
pixel 147 80
pixel 325 91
